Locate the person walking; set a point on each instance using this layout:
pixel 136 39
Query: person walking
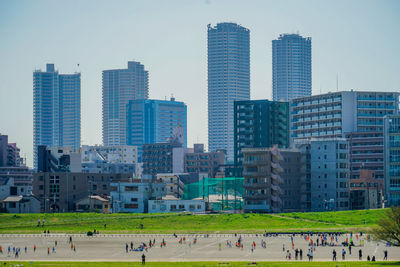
pixel 143 259
pixel 334 255
pixel 360 254
pixel 343 254
pixel 301 254
pixel 385 254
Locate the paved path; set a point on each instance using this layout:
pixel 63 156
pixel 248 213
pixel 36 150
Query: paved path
pixel 112 248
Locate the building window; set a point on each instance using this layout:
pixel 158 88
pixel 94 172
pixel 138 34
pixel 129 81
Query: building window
pixel 131 206
pixel 131 188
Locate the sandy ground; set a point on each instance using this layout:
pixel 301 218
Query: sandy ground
pixel 113 248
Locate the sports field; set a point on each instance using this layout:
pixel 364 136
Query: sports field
pixel 192 248
pixel 203 264
pixel 189 223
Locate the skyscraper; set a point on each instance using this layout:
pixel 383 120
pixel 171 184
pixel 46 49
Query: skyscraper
pixel 291 67
pixel 228 80
pixel 154 121
pixel 120 86
pixel 56 109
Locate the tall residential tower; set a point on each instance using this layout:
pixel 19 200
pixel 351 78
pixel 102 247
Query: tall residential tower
pixel 291 67
pixel 228 80
pixel 56 109
pixel 120 86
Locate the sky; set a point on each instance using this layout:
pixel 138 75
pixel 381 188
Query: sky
pixel 353 42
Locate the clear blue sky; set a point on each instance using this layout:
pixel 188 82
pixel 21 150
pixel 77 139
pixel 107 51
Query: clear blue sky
pixel 359 40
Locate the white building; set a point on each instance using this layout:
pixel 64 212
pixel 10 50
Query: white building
pixel 334 114
pixel 133 195
pixel 172 204
pixel 110 159
pixel 174 185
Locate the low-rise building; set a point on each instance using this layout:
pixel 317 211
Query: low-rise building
pixel 59 192
pixel 132 195
pixel 366 192
pixel 21 204
pixel 172 204
pixel 174 184
pixel 94 204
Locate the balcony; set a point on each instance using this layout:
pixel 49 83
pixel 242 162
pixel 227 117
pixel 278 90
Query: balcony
pixel 255 196
pixel 254 174
pixel 255 185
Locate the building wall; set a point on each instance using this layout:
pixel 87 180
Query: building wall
pixel 392 159
pixel 56 109
pixel 174 185
pixel 133 196
pixel 154 121
pixel 262 180
pixel 59 191
pixel 330 176
pixel 204 162
pixel 161 206
pixel 228 80
pixel 260 123
pixel 120 86
pixel 334 114
pixel 292 180
pixel 291 67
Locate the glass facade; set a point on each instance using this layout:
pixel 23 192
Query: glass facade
pixel 154 121
pixel 392 159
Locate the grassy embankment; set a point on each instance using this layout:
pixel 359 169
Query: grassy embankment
pixel 187 223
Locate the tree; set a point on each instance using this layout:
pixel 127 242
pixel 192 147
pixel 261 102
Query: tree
pixel 389 227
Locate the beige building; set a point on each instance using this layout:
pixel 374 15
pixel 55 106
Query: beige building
pixel 94 203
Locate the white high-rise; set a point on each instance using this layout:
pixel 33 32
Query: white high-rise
pixel 119 87
pixel 56 109
pixel 228 80
pixel 291 67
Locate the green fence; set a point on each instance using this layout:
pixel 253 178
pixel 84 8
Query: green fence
pixel 219 193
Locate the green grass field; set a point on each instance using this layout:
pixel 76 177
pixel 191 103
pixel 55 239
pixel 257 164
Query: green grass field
pixel 200 264
pixel 187 223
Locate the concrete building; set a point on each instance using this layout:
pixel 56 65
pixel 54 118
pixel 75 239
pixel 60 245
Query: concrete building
pixel 291 67
pixel 133 195
pixel 366 192
pixel 326 180
pixel 9 153
pixel 111 159
pixel 21 204
pixel 58 159
pixel 20 178
pixel 163 158
pixel 260 123
pixel 200 161
pixel 173 182
pixel 392 159
pixel 261 171
pixel 334 114
pixel 56 109
pixel 155 121
pixel 94 204
pixel 172 204
pixel 228 80
pixel 119 87
pixel 59 192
